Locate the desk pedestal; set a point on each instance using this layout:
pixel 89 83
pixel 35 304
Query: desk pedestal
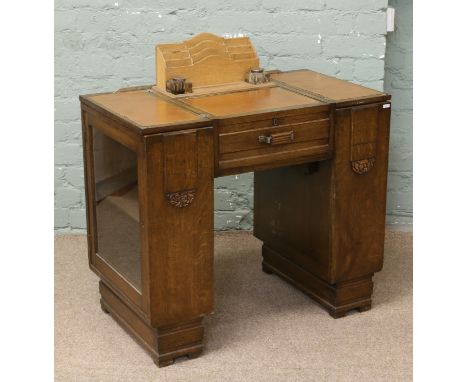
pixel 323 224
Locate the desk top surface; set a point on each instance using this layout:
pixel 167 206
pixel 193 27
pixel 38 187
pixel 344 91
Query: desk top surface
pixel 143 108
pixel 333 89
pixel 250 102
pixel 295 89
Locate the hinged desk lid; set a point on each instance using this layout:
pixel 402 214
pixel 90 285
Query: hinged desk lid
pixel 143 108
pixel 328 89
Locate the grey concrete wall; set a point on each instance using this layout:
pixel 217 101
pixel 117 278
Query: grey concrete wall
pixel 105 45
pixel 399 83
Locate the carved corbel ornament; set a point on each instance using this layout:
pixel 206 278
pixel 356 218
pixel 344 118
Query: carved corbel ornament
pixel 181 199
pixel 362 166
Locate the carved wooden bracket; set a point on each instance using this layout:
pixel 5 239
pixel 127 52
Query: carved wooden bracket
pixel 364 128
pixel 362 166
pixel 180 158
pixel 181 199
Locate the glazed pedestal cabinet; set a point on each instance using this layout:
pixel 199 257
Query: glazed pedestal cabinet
pixel 318 147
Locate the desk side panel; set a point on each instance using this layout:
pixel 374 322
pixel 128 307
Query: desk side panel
pixel 359 182
pixel 179 189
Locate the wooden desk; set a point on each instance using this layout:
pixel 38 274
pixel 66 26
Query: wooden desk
pixel 319 150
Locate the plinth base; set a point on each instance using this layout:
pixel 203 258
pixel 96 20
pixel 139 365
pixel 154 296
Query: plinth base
pixel 165 343
pixel 338 298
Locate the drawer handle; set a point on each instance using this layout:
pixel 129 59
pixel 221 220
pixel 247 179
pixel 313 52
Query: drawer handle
pixel 277 139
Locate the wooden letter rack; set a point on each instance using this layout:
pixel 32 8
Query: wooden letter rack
pixel 210 63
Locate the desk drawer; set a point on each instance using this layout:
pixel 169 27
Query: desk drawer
pixel 264 143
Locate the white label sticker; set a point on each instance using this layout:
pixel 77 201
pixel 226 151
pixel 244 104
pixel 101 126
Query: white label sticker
pixel 386 106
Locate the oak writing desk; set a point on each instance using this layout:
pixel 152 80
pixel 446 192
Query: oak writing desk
pixel 318 147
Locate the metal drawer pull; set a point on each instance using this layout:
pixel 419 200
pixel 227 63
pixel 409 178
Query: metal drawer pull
pixel 277 139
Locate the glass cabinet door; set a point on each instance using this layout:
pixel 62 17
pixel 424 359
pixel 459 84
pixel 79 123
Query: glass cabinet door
pixel 117 207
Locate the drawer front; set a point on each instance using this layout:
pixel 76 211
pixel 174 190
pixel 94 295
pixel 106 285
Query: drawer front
pixel 267 143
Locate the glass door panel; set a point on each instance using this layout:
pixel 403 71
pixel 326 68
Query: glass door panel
pixel 117 207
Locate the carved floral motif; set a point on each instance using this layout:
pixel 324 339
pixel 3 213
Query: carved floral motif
pixel 362 166
pixel 182 198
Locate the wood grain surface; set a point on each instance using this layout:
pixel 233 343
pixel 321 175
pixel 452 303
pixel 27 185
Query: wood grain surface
pixel 319 150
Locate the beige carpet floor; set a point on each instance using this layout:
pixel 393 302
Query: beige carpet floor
pixel 263 329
